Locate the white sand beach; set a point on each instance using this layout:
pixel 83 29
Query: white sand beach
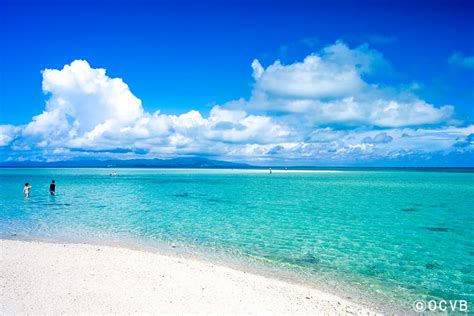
pixel 49 278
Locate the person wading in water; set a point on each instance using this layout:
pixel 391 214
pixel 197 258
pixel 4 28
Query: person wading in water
pixel 26 190
pixel 52 188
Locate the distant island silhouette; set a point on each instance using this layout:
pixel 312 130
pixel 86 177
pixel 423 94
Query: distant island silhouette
pixel 184 162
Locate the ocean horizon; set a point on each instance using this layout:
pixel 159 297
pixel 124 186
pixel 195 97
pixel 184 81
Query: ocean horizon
pixel 384 236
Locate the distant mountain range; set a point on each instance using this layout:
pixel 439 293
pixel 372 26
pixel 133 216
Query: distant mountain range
pixel 135 163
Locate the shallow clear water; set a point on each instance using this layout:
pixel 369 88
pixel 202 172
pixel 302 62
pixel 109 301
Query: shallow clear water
pixel 396 236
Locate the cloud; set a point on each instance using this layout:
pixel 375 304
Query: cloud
pixel 467 141
pixel 313 78
pixel 330 88
pixel 335 72
pixel 83 98
pixel 236 126
pixel 323 110
pixel 89 112
pixel 325 135
pixel 381 138
pixel 357 146
pixel 460 60
pixel 8 134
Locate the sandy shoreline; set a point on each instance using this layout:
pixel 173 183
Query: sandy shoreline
pixel 47 278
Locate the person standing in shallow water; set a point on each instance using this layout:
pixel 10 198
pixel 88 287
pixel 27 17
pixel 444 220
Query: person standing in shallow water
pixel 26 190
pixel 52 188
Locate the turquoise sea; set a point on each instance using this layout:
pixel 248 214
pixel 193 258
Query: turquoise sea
pixel 392 236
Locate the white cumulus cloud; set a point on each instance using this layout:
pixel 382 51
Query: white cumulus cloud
pixel 323 109
pixel 330 88
pixel 83 99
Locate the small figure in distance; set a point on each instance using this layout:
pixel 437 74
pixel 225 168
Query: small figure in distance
pixel 270 170
pixel 26 190
pixel 52 188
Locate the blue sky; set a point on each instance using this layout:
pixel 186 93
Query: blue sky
pixel 181 57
